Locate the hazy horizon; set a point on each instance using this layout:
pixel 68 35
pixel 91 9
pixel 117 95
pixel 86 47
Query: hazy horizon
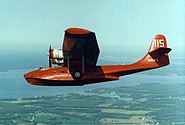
pixel 31 26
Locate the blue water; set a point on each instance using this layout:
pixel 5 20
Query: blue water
pixel 13 84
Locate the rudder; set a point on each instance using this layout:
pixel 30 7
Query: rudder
pixel 157 55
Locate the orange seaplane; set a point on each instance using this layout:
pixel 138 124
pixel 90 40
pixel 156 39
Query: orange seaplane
pixel 77 60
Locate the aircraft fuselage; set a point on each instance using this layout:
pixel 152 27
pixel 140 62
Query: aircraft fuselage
pixel 60 76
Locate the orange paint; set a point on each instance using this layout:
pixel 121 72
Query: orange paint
pixel 156 57
pixel 77 31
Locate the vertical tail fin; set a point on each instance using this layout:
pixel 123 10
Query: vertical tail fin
pixel 159 41
pixel 157 55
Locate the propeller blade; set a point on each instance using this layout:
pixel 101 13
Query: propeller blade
pixel 50 65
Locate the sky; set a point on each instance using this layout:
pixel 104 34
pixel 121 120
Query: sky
pixel 30 26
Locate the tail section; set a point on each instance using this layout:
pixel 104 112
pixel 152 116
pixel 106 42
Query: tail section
pixel 157 55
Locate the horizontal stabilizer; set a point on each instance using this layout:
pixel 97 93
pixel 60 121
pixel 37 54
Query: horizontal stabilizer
pixel 160 51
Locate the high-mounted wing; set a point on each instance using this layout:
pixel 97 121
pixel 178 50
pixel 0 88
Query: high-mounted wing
pixel 80 49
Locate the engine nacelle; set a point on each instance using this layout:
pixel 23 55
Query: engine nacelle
pixel 56 56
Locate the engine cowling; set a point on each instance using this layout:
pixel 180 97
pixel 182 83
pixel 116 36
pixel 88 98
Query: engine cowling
pixel 56 56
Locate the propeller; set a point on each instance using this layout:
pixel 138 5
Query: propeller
pixel 50 63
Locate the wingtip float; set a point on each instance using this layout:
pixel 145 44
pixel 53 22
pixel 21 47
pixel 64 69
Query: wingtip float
pixel 77 60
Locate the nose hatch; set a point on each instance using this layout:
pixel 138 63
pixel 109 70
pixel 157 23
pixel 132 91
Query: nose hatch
pixel 26 76
pixel 32 80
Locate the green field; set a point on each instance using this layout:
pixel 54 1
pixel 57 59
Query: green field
pixel 153 104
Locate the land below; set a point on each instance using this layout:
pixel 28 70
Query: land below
pixel 153 104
